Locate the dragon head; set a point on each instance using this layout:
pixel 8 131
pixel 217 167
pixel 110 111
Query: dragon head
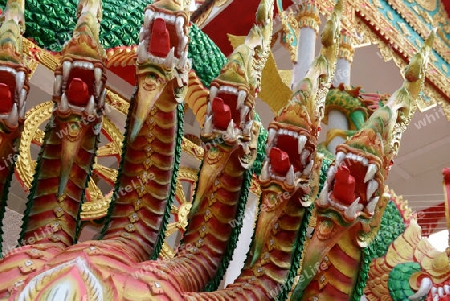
pixel 353 193
pixel 433 280
pixel 162 58
pixel 79 87
pixel 229 126
pixel 291 163
pixel 229 119
pixel 13 71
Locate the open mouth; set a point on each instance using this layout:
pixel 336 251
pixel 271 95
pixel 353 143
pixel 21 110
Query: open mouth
pixel 12 94
pixel 80 86
pixel 352 185
pixel 163 38
pixel 289 156
pixel 440 293
pixel 227 112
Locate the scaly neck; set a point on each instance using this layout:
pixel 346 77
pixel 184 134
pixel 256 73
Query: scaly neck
pixel 145 187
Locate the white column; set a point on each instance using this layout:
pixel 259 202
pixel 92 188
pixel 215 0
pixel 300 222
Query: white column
pixel 245 239
pixel 337 119
pixel 308 18
pixel 306 54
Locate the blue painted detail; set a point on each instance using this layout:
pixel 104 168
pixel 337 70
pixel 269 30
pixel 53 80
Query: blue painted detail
pixel 413 37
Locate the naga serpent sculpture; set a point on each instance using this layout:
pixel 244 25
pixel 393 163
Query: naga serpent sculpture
pixel 122 265
pixel 411 269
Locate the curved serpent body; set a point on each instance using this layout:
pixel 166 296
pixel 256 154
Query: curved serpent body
pixel 71 138
pixel 352 200
pixel 145 187
pixel 14 90
pixel 116 267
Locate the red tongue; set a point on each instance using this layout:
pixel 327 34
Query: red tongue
pixel 279 161
pixel 78 93
pixel 5 99
pixel 160 41
pixel 221 114
pixel 344 186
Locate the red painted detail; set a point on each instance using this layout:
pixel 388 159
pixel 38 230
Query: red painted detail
pixel 160 41
pixel 428 219
pixel 78 92
pixel 344 187
pixel 6 100
pixel 236 19
pixel 127 73
pixel 289 144
pixel 446 173
pixel 221 114
pixel 446 4
pixel 279 161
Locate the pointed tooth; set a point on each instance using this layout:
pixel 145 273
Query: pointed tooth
pixel 179 23
pixel 67 66
pixel 441 291
pixel 371 170
pixel 101 100
pixel 425 287
pixel 323 197
pixel 272 134
pixel 90 107
pixel 168 62
pixel 13 117
pixel 20 80
pixel 207 128
pixel 142 52
pixel 142 34
pixel 248 127
pixel 305 154
pixel 372 204
pixel 244 111
pixel 371 188
pixel 230 129
pixel 265 174
pixel 241 98
pixel 57 85
pixel 22 112
pixel 447 289
pixel 351 211
pixel 183 60
pixel 340 156
pixel 149 16
pixel 308 168
pixel 98 72
pixel 331 174
pixel 212 93
pixel 64 103
pixel 182 44
pixel 22 98
pixel 301 143
pixel 98 89
pixel 290 176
